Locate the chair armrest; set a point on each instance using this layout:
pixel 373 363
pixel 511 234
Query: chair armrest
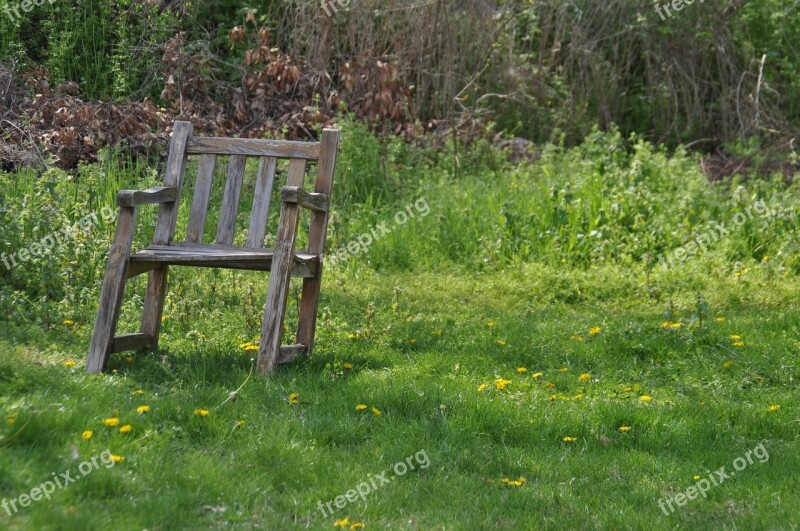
pixel 295 194
pixel 133 198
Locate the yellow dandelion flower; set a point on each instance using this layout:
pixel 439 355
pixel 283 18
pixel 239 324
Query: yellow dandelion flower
pixel 293 398
pixel 117 458
pixel 738 344
pixel 491 324
pixel 111 422
pixel 513 482
pixel 69 364
pixel 501 342
pixel 87 435
pixel 481 388
pixel 202 412
pixel 344 522
pixel 720 319
pixel 357 525
pixel 240 424
pixel 537 375
pixel 353 335
pixel 127 428
pixel 437 333
pixel 735 337
pixel 361 407
pixel 773 408
pixel 727 365
pixel 624 428
pixel 143 409
pixel 695 478
pixel 522 370
pixel 376 411
pixel 501 383
pixel 68 322
pixel 593 331
pixel 550 385
pixel 585 376
pixel 646 398
pixel 563 369
pixel 569 439
pixel 347 366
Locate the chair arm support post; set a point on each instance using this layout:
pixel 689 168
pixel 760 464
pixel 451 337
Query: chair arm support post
pixel 310 201
pixel 151 196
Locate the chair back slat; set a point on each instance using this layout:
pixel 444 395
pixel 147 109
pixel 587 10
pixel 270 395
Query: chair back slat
pixel 262 197
pixel 202 195
pixel 230 201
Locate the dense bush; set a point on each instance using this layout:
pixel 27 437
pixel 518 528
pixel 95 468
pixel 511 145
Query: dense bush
pixel 540 70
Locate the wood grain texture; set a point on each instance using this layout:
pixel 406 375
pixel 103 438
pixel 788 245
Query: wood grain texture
pixel 230 202
pixel 309 301
pixel 202 195
pixel 176 167
pixel 151 196
pixel 259 215
pixel 280 277
pixel 111 295
pixel 225 257
pixel 253 147
pixel 295 194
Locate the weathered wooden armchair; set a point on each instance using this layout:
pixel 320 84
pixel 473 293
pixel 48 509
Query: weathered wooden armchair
pixel 283 261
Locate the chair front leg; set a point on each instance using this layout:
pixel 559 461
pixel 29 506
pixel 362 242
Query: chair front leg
pixel 113 289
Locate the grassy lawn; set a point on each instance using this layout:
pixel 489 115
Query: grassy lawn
pixel 431 353
pixel 517 359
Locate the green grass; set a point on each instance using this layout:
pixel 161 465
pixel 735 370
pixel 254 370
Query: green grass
pixel 412 319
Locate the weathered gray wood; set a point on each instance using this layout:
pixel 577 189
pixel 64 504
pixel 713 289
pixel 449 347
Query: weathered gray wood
pixel 112 292
pixel 202 195
pixel 309 302
pixel 165 231
pixel 296 194
pixel 280 277
pixel 130 342
pixel 176 167
pixel 290 353
pixel 253 147
pixel 230 202
pixel 162 194
pixel 259 215
pixel 226 257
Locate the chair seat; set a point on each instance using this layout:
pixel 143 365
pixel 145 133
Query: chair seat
pixel 220 256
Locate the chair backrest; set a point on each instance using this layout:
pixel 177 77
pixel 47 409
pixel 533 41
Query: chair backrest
pixel 269 153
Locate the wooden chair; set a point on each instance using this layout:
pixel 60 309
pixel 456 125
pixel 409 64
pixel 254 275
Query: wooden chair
pixel 283 261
